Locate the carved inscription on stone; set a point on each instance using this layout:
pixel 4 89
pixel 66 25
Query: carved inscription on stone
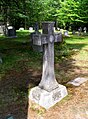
pixel 37 40
pixel 56 95
pixel 36 95
pixel 51 38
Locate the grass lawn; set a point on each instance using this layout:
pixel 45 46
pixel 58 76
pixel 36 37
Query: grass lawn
pixel 22 67
pixel 80 46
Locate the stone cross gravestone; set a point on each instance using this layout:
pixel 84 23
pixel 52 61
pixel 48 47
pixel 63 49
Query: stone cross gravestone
pixel 48 92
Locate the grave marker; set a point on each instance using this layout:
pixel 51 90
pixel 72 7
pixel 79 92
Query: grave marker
pixel 21 29
pixel 11 32
pixel 85 30
pixel 30 29
pixel 2 27
pixel 79 31
pixel 78 81
pixel 35 47
pixel 48 92
pixel 66 33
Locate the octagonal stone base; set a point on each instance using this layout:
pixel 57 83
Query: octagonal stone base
pixel 47 99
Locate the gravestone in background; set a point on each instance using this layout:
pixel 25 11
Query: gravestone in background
pixel 34 46
pixel 79 31
pixel 21 29
pixel 2 27
pixel 66 33
pixel 48 92
pixel 11 32
pixel 85 30
pixel 73 32
pixel 30 29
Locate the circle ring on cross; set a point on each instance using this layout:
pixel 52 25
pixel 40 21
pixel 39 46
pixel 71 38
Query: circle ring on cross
pixel 51 38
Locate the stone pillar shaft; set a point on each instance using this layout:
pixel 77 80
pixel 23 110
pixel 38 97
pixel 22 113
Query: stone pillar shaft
pixel 48 81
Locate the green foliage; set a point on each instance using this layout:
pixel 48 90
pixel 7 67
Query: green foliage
pixel 61 51
pixel 18 52
pixel 25 13
pixel 67 14
pixel 83 10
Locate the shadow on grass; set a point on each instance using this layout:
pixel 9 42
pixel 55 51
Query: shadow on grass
pixel 8 43
pixel 17 76
pixel 14 87
pixel 76 46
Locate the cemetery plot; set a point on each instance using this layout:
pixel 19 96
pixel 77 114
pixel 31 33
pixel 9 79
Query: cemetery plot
pixel 21 66
pixel 48 84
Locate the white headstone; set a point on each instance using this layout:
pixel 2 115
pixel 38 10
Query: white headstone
pixel 30 28
pixel 2 27
pixel 85 29
pixel 66 33
pixel 58 29
pixel 10 27
pixel 78 81
pixel 21 29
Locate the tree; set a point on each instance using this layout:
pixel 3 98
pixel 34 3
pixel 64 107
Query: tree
pixel 24 13
pixel 83 11
pixel 68 13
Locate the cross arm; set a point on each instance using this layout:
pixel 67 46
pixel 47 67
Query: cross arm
pixel 40 39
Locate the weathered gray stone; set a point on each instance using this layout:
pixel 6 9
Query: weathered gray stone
pixel 66 33
pixel 47 99
pixel 49 91
pixel 78 81
pixel 35 41
pixel 2 28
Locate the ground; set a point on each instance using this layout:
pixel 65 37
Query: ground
pixel 74 106
pixel 14 87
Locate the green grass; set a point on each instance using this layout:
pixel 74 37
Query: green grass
pixel 77 42
pixel 79 45
pixel 15 50
pixel 22 32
